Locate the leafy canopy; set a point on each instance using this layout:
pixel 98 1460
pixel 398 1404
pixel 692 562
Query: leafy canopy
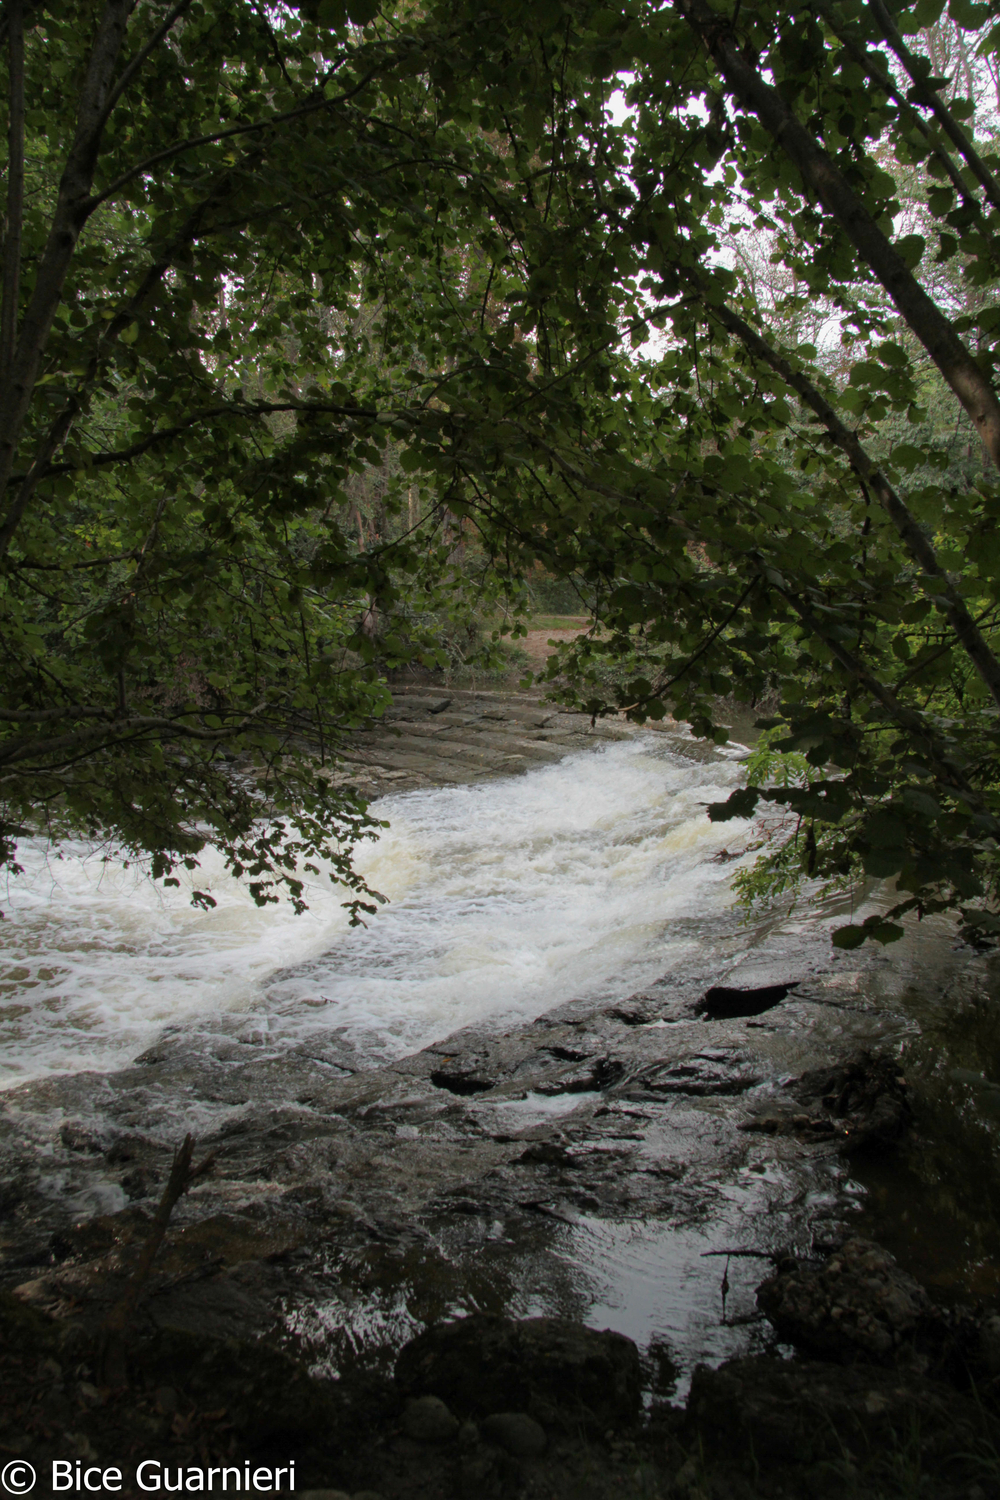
pixel 729 361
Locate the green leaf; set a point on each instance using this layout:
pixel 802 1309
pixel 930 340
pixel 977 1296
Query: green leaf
pixel 969 16
pixel 910 249
pixel 739 804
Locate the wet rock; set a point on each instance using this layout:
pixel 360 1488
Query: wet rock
pixel 517 1433
pixel 101 1235
pixel 125 1148
pixel 138 1184
pixel 783 1119
pixel 866 1095
pixel 632 1014
pixel 428 1420
pixel 270 1399
pixel 804 1412
pixel 76 1136
pixel 857 1104
pixel 545 1154
pixel 480 1477
pixel 859 1305
pixel 560 1371
pixel 701 1075
pixel 591 1077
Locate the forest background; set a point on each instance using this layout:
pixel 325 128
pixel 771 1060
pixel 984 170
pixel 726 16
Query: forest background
pixel 326 329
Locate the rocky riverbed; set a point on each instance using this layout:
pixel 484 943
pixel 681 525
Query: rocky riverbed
pixel 641 1166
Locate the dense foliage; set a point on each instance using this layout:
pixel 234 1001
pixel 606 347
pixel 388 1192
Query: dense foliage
pixel 728 362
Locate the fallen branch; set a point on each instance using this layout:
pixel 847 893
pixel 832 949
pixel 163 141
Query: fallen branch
pixel 182 1174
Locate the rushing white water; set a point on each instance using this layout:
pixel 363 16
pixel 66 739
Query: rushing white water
pixel 506 899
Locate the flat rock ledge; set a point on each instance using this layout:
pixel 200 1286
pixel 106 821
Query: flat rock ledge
pixel 460 736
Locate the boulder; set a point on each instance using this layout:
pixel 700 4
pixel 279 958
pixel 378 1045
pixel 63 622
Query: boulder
pixel 559 1372
pixel 859 1305
pixel 517 1433
pixel 428 1420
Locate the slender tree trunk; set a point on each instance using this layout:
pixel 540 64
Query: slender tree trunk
pixel 15 186
pixel 17 380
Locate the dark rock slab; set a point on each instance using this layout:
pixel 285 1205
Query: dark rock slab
pixel 561 1373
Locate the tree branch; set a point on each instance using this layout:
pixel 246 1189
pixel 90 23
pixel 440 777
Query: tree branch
pixel 210 414
pixel 944 768
pixel 929 97
pixel 182 1175
pixel 819 174
pixel 872 66
pixel 907 527
pixel 63 422
pixel 119 727
pixel 222 135
pixel 132 68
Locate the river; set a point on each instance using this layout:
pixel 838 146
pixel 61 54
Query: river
pixel 504 900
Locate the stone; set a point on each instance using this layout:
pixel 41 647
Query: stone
pixel 561 1371
pixel 321 1495
pixel 803 1412
pixel 517 1433
pixel 858 1305
pixel 428 1420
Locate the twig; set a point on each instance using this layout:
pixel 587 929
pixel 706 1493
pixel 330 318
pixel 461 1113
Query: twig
pixel 182 1175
